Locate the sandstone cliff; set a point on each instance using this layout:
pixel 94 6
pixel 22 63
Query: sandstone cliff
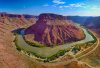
pixel 54 29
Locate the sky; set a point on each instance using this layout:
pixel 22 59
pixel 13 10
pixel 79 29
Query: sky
pixel 63 7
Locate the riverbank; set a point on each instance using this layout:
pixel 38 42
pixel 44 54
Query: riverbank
pixel 48 53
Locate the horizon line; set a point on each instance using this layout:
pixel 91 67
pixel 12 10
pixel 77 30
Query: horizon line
pixel 52 13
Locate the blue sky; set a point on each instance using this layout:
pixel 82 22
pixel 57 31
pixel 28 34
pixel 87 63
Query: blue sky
pixel 64 7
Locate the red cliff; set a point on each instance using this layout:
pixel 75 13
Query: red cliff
pixel 54 29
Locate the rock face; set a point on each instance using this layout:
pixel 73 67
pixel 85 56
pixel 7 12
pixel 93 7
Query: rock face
pixel 16 19
pixel 53 29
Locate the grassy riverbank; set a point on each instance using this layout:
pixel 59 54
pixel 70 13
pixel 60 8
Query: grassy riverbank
pixel 47 53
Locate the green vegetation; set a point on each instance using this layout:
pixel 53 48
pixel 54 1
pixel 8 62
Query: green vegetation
pixel 34 44
pixel 45 59
pixel 85 45
pixel 47 54
pixel 92 36
pixel 85 51
pixel 15 40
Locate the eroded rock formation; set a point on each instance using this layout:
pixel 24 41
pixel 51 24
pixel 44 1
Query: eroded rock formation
pixel 53 29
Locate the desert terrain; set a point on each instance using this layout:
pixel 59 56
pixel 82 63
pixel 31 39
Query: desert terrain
pixel 10 57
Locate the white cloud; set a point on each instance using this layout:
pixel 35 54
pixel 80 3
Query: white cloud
pixel 58 2
pixel 63 6
pixel 77 5
pixel 95 8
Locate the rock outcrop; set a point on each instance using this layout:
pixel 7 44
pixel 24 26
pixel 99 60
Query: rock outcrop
pixel 16 19
pixel 53 29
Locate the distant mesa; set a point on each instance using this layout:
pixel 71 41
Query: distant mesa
pixel 17 20
pixel 4 14
pixel 52 29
